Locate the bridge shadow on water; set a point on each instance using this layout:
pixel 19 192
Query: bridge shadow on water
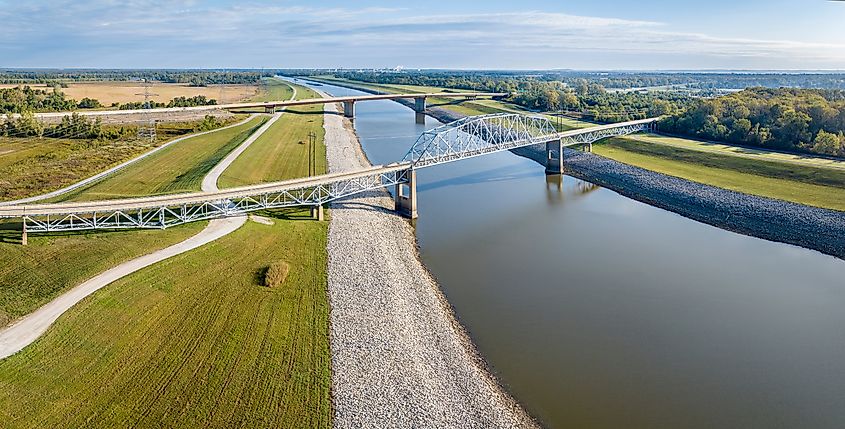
pixel 494 175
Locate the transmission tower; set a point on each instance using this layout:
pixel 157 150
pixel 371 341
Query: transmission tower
pixel 147 132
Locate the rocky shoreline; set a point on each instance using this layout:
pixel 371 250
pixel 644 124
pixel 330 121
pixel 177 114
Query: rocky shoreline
pixel 775 220
pixel 399 356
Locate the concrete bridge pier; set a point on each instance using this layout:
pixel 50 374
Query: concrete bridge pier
pixel 270 109
pixel 349 109
pixel 419 107
pixel 317 212
pixel 554 157
pixel 24 241
pixel 406 196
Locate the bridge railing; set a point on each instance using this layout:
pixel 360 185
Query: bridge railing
pixel 179 209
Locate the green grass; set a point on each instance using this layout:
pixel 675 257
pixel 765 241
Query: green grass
pixel 32 166
pixel 818 187
pixel 178 168
pixel 282 151
pixel 31 276
pixel 193 341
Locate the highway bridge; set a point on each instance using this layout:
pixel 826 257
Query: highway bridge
pixel 273 106
pixel 465 138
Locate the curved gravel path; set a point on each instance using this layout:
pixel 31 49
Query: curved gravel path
pixel 23 332
pixel 399 357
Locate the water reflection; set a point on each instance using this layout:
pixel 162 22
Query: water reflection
pixel 599 311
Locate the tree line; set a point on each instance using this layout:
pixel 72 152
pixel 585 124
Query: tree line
pixel 22 99
pixel 805 120
pixel 192 77
pixel 581 96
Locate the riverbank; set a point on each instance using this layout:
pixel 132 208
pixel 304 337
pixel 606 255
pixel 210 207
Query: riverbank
pixel 399 357
pixel 775 220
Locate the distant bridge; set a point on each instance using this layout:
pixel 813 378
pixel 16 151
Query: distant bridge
pixel 465 138
pixel 273 106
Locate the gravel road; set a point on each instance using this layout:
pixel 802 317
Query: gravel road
pixel 399 357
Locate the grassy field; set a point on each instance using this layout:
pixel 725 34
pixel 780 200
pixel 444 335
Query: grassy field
pixel 194 341
pixel 124 92
pixel 818 187
pixel 31 276
pixel 178 168
pixel 282 151
pixel 32 166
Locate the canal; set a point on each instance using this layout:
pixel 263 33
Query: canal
pixel 599 311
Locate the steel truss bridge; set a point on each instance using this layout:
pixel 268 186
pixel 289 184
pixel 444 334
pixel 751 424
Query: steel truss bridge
pixel 465 138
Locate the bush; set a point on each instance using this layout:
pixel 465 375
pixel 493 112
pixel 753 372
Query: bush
pixel 276 274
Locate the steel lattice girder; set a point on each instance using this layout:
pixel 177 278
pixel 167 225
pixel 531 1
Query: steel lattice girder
pixel 593 136
pixel 170 215
pixel 478 135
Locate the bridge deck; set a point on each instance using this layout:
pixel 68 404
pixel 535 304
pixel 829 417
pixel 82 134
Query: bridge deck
pixel 166 210
pixel 286 103
pixel 193 198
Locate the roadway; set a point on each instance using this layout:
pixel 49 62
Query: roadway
pixel 268 104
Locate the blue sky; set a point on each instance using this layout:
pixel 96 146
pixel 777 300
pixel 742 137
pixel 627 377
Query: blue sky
pixel 609 34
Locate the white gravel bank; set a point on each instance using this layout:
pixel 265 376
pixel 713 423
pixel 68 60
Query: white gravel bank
pixel 399 358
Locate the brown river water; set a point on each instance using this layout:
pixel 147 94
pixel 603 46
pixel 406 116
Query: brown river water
pixel 598 311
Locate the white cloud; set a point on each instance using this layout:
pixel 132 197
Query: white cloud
pixel 253 33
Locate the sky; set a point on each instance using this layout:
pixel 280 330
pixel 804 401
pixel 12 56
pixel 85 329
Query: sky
pixel 469 34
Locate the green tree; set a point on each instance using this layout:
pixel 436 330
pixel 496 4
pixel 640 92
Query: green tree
pixel 827 143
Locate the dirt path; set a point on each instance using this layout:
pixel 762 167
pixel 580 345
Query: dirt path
pixel 23 332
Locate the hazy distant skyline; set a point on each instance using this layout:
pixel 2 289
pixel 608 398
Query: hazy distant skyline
pixel 612 34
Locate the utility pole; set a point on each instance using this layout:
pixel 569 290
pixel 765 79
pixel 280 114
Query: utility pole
pixel 312 153
pixel 149 131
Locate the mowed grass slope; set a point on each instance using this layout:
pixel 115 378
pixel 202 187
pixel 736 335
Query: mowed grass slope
pixel 178 168
pixel 51 264
pixel 820 187
pixel 31 276
pixel 282 151
pixel 33 166
pixel 193 341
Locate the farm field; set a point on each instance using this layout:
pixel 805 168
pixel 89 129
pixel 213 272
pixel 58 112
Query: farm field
pixel 178 168
pixel 192 341
pixel 108 92
pixel 282 151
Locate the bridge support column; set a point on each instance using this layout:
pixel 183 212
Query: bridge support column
pixel 406 200
pixel 270 109
pixel 349 109
pixel 419 107
pixel 317 212
pixel 554 157
pixel 24 241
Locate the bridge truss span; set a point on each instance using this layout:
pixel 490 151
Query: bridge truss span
pixel 165 211
pixel 462 139
pixel 594 134
pixel 478 135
